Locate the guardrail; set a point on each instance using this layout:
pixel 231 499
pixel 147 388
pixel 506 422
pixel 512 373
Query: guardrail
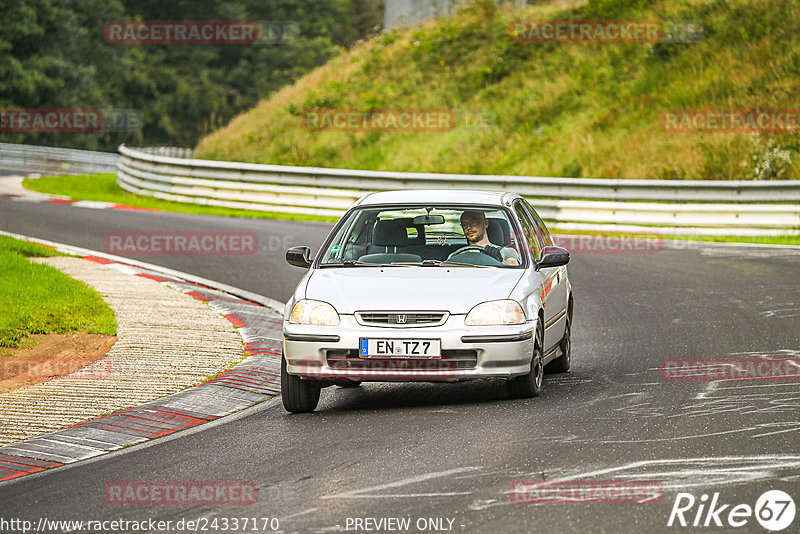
pixel 53 160
pixel 169 151
pixel 713 207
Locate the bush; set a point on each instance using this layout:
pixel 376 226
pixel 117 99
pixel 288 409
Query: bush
pixel 768 161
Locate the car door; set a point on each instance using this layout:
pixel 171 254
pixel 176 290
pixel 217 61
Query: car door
pixel 555 284
pixel 532 241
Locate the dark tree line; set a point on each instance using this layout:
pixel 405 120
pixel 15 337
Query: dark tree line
pixel 53 56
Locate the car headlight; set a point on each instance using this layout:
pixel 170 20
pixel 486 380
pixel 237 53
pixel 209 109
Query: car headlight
pixel 314 312
pixel 496 312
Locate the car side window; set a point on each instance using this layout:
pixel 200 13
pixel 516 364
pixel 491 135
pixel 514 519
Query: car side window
pixel 529 231
pixel 543 231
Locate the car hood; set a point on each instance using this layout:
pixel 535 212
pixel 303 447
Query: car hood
pixel 454 289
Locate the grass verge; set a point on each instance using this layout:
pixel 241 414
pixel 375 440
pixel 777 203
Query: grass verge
pixel 39 299
pixel 104 188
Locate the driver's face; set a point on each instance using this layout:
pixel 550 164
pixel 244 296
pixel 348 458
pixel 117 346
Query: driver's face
pixel 474 226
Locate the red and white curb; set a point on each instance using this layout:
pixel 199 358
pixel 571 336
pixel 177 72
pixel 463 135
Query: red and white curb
pixel 254 380
pixel 90 204
pixel 11 188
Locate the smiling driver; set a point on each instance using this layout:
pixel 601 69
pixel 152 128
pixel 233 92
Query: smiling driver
pixel 474 224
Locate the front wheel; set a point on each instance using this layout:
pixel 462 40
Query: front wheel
pixel 562 364
pixel 299 396
pixel 530 385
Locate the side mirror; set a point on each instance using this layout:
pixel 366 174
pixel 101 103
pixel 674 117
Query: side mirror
pixel 299 257
pixel 553 257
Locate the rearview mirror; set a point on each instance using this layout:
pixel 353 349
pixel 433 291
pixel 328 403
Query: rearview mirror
pixel 299 257
pixel 553 257
pixel 428 219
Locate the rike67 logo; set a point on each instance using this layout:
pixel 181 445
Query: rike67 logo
pixel 774 510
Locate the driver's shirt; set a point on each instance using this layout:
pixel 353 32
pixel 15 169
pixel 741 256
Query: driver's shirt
pixel 505 252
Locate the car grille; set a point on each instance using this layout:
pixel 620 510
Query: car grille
pixel 401 318
pixel 451 359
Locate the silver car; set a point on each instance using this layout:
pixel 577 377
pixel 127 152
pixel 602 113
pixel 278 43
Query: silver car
pixel 428 286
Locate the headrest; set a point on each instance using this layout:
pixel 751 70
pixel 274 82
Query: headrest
pixel 394 233
pixel 390 233
pixel 499 233
pixel 408 222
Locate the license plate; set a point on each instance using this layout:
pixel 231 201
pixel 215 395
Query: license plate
pixel 400 348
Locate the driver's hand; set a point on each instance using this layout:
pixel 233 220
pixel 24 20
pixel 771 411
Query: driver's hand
pixel 511 261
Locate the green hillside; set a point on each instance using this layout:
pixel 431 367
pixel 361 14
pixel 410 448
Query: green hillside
pixel 548 109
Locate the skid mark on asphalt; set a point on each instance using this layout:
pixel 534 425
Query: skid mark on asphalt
pixel 679 473
pixel 731 399
pixel 780 353
pixel 671 473
pixel 750 397
pixel 368 493
pixel 769 306
pixel 786 402
pixel 782 313
pixel 733 396
pixel 707 391
pixel 298 514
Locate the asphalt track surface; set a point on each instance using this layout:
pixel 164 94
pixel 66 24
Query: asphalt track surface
pixel 452 451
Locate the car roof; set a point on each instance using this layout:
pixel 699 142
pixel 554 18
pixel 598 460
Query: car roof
pixel 437 196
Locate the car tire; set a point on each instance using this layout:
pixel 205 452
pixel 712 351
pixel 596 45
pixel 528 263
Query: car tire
pixel 563 362
pixel 298 395
pixel 530 385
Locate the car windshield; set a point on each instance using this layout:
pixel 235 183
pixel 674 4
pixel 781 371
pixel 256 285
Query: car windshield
pixel 427 236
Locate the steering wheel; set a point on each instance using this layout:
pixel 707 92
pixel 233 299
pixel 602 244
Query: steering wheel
pixel 476 248
pixel 484 257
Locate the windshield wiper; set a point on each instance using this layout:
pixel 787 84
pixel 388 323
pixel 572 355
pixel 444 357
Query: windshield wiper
pixel 450 263
pixel 436 263
pixel 423 263
pixel 353 263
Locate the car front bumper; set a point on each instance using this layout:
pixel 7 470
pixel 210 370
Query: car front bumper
pixel 331 353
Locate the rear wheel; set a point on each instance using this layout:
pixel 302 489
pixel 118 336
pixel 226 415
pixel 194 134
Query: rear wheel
pixel 299 396
pixel 562 363
pixel 530 385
